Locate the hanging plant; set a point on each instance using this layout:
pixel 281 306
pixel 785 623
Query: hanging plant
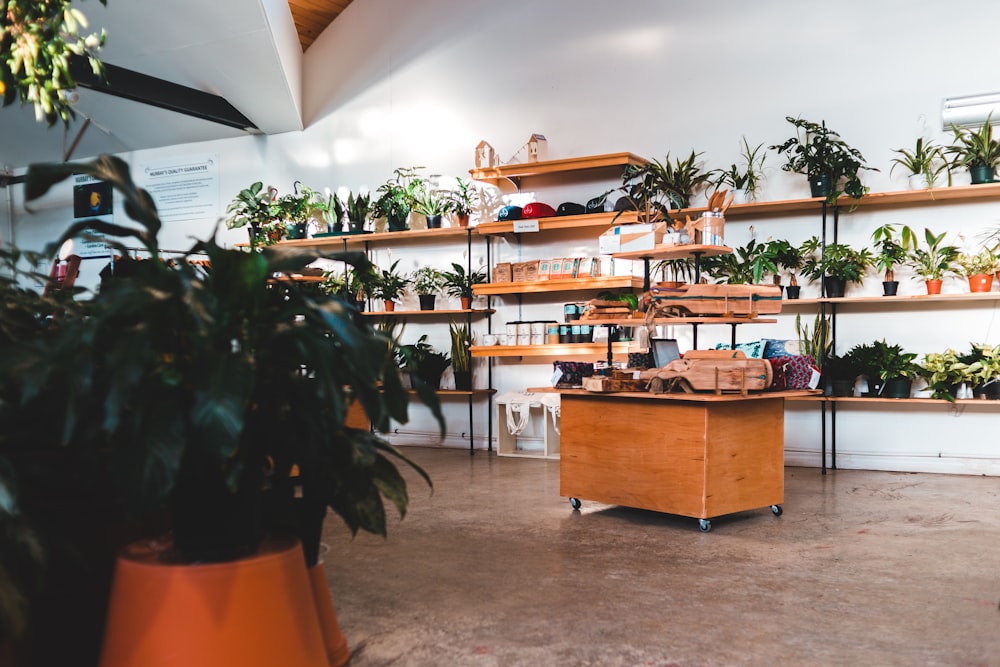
pixel 39 39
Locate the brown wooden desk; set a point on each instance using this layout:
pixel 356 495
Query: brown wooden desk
pixel 696 455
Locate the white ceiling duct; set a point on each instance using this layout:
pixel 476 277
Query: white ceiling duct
pixel 969 111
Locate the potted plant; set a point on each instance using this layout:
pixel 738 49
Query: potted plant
pixel 787 258
pixel 432 204
pixel 889 253
pixel 461 356
pixel 463 200
pixel 947 376
pixel 745 265
pixel 190 394
pixel 388 285
pixel 934 261
pixel 395 197
pixel 836 264
pixel 355 208
pixel 831 164
pixel 255 206
pixel 679 180
pixel 924 164
pixel 427 282
pixel 458 283
pixel 675 272
pixel 895 368
pixel 977 151
pixel 352 284
pixel 815 342
pixel 295 211
pixel 978 268
pixel 841 374
pixel 424 364
pixel 744 179
pixel 984 370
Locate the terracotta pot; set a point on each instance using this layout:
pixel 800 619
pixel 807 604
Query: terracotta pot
pixel 934 286
pixel 466 302
pixel 981 282
pixel 390 305
pixel 258 611
pixel 463 220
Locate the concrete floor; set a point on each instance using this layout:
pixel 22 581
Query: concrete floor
pixel 495 569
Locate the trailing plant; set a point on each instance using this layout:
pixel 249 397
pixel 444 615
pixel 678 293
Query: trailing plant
pixel 982 262
pixel 458 283
pixel 926 159
pixel 835 260
pixel 817 151
pixel 39 39
pixel 935 260
pixel 747 176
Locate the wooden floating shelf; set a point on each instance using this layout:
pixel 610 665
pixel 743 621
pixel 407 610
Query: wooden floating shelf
pixel 527 169
pixel 668 321
pixel 410 313
pixel 902 401
pixel 898 300
pixel 555 223
pixel 560 285
pixel 676 252
pixel 459 392
pixel 346 240
pixel 577 349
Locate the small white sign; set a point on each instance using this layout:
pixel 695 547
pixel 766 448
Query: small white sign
pixel 525 226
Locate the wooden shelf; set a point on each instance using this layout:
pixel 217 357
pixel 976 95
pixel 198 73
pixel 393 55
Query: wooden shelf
pixel 348 240
pixel 903 300
pixel 527 169
pixel 458 392
pixel 574 349
pixel 561 285
pixel 669 321
pixel 676 252
pixel 598 220
pixel 901 401
pixel 429 313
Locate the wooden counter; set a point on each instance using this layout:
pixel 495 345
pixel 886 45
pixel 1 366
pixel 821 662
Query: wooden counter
pixel 696 455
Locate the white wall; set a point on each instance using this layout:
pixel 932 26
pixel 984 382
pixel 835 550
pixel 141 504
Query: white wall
pixel 396 83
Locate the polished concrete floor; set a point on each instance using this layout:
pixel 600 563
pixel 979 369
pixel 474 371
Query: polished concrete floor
pixel 494 568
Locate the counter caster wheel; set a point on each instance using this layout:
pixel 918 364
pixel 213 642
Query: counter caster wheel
pixel 575 503
pixel 705 525
pixel 776 509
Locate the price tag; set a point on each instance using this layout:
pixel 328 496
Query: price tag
pixel 525 226
pixel 556 376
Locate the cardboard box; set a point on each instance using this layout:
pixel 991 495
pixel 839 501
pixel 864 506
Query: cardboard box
pixel 502 272
pixel 632 239
pixel 525 272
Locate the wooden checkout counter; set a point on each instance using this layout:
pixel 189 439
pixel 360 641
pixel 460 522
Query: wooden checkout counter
pixel 697 455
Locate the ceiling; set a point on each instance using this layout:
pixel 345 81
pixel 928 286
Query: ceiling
pixel 247 53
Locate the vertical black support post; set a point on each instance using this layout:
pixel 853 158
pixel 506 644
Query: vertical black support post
pixel 645 274
pixel 833 435
pixel 733 345
pixel 822 440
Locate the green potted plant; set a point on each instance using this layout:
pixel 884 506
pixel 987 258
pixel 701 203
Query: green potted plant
pixel 976 150
pixel 423 363
pixel 978 268
pixel 42 77
pixel 924 164
pixel 744 179
pixel 352 284
pixel 679 180
pixel 946 374
pixel 461 356
pixel 295 211
pixel 674 272
pixel 831 164
pixel 747 264
pixel 815 342
pixel 355 208
pixel 255 206
pixel 395 197
pixel 984 370
pixel 188 394
pixel 894 367
pixel 458 283
pixel 934 261
pixel 431 203
pixel 835 264
pixel 890 252
pixel 388 285
pixel 427 281
pixel 463 200
pixel 786 257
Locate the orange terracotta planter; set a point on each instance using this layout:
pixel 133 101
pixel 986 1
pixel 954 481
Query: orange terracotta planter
pixel 933 286
pixel 390 306
pixel 981 282
pixel 254 612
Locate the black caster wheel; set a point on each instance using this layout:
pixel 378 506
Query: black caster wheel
pixel 575 503
pixel 705 525
pixel 776 509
